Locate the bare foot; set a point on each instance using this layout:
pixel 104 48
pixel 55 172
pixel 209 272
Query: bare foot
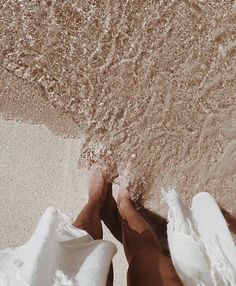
pixel 97 181
pixel 123 200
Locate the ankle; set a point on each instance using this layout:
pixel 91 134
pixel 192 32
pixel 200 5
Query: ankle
pixel 123 205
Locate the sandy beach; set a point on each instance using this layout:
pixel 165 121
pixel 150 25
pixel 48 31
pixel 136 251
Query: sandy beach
pixel 38 170
pixel 39 166
pixel 150 83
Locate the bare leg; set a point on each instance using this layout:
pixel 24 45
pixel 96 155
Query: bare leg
pixel 147 263
pixel 159 226
pixel 112 219
pixel 89 218
pixel 230 220
pixel 111 216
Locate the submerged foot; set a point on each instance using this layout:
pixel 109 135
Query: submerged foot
pixel 97 181
pixel 123 201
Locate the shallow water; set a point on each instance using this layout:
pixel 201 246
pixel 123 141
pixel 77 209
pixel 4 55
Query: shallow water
pixel 153 82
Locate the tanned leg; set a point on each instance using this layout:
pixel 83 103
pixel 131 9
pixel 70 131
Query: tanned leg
pixel 112 219
pixel 111 216
pixel 159 226
pixel 230 220
pixel 147 263
pixel 89 218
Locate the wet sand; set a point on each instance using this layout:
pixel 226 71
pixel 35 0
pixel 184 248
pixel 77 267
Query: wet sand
pixel 153 82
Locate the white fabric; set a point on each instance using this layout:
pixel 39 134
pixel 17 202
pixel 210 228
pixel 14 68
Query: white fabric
pixel 57 254
pixel 201 246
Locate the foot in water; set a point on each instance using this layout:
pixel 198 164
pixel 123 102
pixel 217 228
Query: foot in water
pixel 97 181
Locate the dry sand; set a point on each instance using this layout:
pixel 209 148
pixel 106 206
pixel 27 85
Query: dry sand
pixel 152 82
pixel 38 168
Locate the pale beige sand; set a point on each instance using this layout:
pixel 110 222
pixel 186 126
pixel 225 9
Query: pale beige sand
pixel 38 170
